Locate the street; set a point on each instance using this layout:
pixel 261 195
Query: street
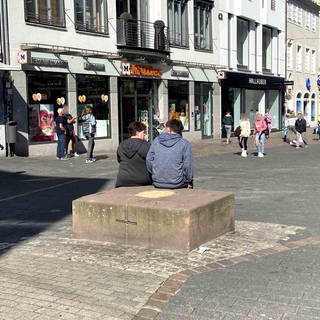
pixel 267 269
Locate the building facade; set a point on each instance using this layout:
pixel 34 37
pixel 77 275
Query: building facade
pixel 302 58
pixel 252 56
pixel 142 60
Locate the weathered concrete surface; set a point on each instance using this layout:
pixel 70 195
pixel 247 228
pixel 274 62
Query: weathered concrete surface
pixel 179 219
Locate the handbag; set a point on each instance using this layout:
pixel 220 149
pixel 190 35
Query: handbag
pixel 237 131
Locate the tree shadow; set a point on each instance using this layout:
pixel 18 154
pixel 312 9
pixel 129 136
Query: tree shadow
pixel 30 204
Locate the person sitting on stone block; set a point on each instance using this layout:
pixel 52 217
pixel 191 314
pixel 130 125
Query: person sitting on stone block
pixel 169 159
pixel 131 155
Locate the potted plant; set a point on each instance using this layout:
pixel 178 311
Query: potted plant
pixel 159 35
pixel 128 35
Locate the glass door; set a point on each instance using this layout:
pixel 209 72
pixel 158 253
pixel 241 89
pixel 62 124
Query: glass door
pixel 136 104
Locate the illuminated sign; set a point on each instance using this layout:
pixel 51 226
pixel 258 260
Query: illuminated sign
pixel 130 69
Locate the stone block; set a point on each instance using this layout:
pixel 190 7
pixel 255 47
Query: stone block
pixel 180 219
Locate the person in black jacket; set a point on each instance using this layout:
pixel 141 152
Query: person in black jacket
pixel 131 155
pixel 301 128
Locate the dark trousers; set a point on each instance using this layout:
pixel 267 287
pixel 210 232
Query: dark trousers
pixel 61 145
pixel 90 138
pixel 243 143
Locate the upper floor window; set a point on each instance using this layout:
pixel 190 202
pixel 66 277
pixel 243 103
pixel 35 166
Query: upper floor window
pixel 178 22
pixel 313 22
pixel 299 58
pixel 203 25
pixel 313 61
pixel 289 55
pixel 91 15
pixel 308 19
pixel 266 49
pixel 49 12
pixel 242 43
pixel 307 60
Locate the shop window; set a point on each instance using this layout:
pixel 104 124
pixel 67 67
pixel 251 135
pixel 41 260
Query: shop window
pixel 178 92
pixel 46 93
pixel 242 43
pixel 49 12
pixel 203 25
pixel 266 49
pixel 93 91
pixel 91 15
pixel 298 102
pixel 178 22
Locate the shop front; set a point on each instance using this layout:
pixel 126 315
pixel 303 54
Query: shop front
pixel 252 94
pixel 138 98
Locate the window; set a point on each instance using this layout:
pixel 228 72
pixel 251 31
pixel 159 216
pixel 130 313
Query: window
pixel 242 43
pixel 299 58
pixel 266 49
pixel 290 12
pixel 49 12
pixel 91 15
pixel 313 107
pixel 178 22
pixel 307 60
pixel 289 55
pixel 273 5
pixel 313 61
pixel 178 94
pixel 202 25
pixel 299 16
pixel 313 22
pixel 308 19
pixel 298 102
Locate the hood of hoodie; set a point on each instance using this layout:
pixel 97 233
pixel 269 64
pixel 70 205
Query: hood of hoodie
pixel 131 146
pixel 169 139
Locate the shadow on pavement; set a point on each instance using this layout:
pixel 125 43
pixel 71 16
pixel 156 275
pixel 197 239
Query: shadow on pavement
pixel 30 204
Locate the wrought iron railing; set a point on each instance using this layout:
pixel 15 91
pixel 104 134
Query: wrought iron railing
pixel 56 21
pixel 142 35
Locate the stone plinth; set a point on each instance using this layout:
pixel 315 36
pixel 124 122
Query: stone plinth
pixel 154 218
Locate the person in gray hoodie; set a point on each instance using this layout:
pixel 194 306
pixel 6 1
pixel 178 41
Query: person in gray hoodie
pixel 131 155
pixel 169 159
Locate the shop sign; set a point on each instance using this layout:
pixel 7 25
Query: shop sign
pixel 221 75
pixel 130 69
pixel 94 66
pixel 178 73
pixel 258 81
pixel 48 62
pixel 23 57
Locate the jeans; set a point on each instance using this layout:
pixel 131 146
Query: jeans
pixel 90 138
pixel 228 130
pixel 61 146
pixel 260 139
pixel 243 141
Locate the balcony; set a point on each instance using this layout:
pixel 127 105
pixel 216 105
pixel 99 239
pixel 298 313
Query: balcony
pixel 141 35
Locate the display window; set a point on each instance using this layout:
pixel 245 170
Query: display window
pixel 93 91
pixel 46 93
pixel 178 96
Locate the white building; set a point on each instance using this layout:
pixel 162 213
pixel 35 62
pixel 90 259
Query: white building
pixel 144 60
pixel 302 58
pixel 251 37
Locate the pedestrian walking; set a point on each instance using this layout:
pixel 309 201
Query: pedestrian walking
pixel 268 120
pixel 131 156
pixel 169 159
pixel 285 123
pixel 260 126
pixel 70 133
pixel 89 124
pixel 245 131
pixel 61 123
pixel 301 128
pixel 228 123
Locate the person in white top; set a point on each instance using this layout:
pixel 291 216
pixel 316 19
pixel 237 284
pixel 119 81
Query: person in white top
pixel 244 125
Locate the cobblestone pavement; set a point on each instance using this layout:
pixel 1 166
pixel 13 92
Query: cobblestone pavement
pixel 47 274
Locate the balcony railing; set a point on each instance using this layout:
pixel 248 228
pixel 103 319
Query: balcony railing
pixel 142 35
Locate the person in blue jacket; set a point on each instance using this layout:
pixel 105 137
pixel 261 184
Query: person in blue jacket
pixel 169 159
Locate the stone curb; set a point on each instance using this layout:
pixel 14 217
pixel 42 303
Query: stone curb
pixel 172 285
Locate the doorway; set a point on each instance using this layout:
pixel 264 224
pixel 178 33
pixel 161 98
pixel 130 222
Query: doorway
pixel 137 103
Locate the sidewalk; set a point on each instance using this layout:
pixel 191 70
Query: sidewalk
pixel 47 274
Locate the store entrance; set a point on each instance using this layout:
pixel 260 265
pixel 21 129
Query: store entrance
pixel 137 99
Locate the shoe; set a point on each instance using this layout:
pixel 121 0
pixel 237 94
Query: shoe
pixel 76 154
pixel 297 147
pixel 260 155
pixel 94 159
pixel 244 154
pixel 89 161
pixel 64 158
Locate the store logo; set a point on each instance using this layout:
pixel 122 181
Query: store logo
pixel 82 99
pixel 22 57
pixel 130 69
pixel 257 81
